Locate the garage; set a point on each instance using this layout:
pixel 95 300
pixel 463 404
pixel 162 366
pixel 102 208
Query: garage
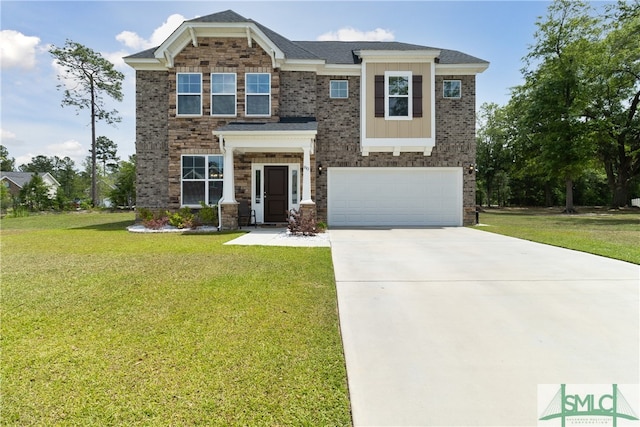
pixel 394 197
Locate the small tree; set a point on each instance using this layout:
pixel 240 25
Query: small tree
pixel 93 76
pixel 7 163
pixel 35 194
pixel 107 154
pixel 124 189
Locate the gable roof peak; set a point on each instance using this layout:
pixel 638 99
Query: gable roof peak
pixel 226 16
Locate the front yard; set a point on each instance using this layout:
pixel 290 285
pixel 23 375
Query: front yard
pixel 600 231
pixel 105 327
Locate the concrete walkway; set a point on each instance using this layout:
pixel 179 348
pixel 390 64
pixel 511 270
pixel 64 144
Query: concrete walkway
pixel 278 236
pixel 457 327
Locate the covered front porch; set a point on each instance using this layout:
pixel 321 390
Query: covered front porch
pixel 270 166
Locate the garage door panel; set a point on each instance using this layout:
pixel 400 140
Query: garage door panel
pixel 395 196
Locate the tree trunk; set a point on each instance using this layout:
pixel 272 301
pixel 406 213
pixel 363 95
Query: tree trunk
pixel 568 206
pixel 94 184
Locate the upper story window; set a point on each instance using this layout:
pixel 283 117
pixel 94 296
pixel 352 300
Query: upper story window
pixel 223 94
pixel 339 89
pixel 452 89
pixel 189 87
pixel 258 94
pixel 202 179
pixel 398 94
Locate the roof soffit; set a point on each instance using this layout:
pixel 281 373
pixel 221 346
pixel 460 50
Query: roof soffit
pixel 426 55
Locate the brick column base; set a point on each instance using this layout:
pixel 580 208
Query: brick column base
pixel 229 213
pixel 308 209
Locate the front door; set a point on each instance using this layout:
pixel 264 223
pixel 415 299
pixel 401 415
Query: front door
pixel 276 194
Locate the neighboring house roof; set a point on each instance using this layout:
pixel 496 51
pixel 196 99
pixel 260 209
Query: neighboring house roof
pixel 329 52
pixel 21 179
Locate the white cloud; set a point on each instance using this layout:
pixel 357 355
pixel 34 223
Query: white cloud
pixel 135 41
pixel 17 50
pixel 70 148
pixel 5 134
pixel 352 34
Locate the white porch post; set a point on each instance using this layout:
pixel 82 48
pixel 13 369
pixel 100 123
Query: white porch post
pixel 306 177
pixel 228 183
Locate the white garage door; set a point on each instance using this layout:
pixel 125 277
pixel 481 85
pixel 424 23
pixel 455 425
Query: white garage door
pixel 394 196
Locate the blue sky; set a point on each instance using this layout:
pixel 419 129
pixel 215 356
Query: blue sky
pixel 32 122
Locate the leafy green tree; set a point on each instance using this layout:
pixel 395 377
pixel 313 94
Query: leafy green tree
pixel 35 194
pixel 94 77
pixel 555 94
pixel 493 154
pixel 107 154
pixel 65 173
pixel 39 164
pixel 7 163
pixel 614 88
pixel 5 199
pixel 124 189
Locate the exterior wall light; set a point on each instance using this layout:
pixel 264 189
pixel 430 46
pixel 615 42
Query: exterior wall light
pixel 319 168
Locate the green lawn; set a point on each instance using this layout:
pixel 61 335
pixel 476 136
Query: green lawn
pixel 613 234
pixel 105 327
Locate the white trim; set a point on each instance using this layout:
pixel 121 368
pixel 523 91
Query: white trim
pixel 404 74
pixel 339 81
pixel 258 206
pixel 398 145
pixel 460 69
pixel 459 92
pixel 423 55
pixel 205 180
pixel 247 95
pixel 187 32
pixel 178 93
pixel 235 95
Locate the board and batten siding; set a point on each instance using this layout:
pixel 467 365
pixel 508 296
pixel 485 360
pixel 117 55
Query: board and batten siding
pixel 418 127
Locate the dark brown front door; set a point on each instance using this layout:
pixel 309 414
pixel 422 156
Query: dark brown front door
pixel 276 197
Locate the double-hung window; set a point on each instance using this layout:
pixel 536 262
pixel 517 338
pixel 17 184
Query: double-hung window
pixel 258 94
pixel 223 94
pixel 189 88
pixel 202 179
pixel 398 95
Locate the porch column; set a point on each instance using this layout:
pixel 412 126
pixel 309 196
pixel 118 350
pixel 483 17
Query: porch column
pixel 228 182
pixel 306 177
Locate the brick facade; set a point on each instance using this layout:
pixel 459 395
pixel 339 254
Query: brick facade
pixel 152 145
pixel 162 138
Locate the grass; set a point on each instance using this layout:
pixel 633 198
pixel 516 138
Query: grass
pixel 105 327
pixel 613 234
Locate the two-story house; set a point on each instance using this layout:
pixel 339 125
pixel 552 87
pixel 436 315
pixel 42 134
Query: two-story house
pixel 357 133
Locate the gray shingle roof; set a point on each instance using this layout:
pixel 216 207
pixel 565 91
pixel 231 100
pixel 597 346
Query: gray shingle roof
pixel 268 127
pixel 333 52
pixel 19 178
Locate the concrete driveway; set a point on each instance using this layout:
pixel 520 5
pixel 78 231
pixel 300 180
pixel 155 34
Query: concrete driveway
pixel 457 326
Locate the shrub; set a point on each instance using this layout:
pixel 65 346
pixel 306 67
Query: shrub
pixel 154 221
pixel 208 214
pixel 301 224
pixel 184 218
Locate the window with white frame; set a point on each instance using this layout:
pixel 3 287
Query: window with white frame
pixel 223 94
pixel 202 179
pixel 339 89
pixel 258 94
pixel 452 89
pixel 189 90
pixel 397 95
